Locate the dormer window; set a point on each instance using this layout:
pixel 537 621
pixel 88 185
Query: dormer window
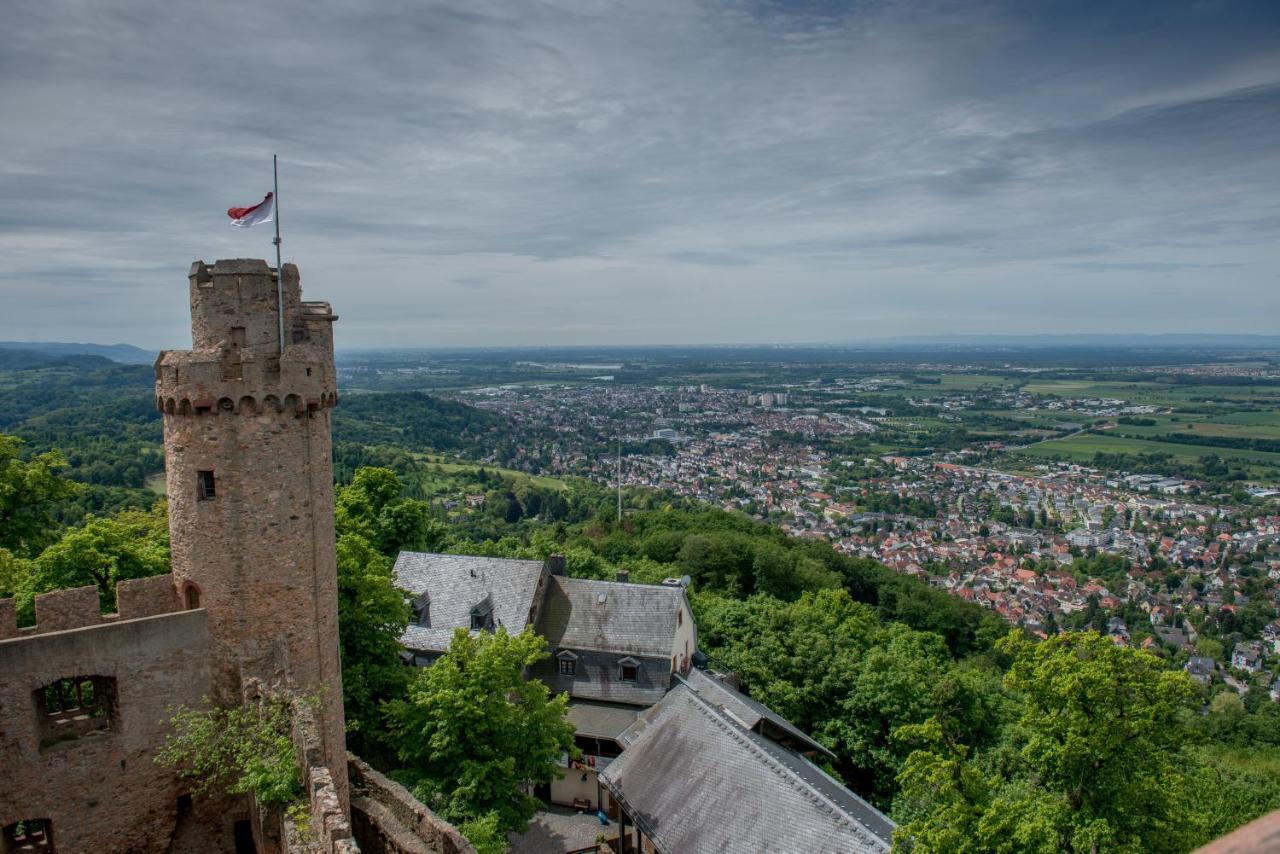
pixel 628 669
pixel 567 663
pixel 482 616
pixel 422 610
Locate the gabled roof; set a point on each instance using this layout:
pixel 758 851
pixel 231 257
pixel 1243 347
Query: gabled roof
pixel 694 780
pixel 611 616
pixel 753 715
pixel 458 584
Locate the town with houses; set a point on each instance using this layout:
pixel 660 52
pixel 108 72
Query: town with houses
pixel 1188 570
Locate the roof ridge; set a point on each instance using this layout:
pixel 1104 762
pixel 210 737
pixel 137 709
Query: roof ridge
pixel 835 812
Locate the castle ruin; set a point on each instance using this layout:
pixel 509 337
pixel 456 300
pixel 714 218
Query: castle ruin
pixel 248 611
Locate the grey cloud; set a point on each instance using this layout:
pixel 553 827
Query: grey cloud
pixel 490 173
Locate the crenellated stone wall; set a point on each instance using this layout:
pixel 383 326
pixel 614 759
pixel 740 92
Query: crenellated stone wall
pixel 89 771
pixel 78 607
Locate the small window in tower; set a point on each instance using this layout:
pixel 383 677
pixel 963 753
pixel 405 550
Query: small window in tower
pixel 204 486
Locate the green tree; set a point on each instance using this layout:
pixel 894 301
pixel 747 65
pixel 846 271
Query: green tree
pixel 905 677
pixel 15 574
pixel 1094 761
pixel 373 506
pixel 372 615
pixel 131 544
pixel 473 733
pixel 236 751
pixel 29 493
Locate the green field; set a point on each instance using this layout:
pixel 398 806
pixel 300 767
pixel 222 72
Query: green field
pixel 453 467
pixel 1159 393
pixel 961 382
pixel 1267 427
pixel 1082 448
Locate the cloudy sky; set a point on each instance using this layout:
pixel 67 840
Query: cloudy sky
pixel 476 173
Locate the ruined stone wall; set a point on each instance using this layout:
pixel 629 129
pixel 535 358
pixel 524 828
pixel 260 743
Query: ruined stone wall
pixel 328 830
pixel 258 553
pixel 99 787
pixel 387 819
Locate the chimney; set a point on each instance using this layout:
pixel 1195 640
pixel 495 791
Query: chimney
pixel 624 576
pixel 555 564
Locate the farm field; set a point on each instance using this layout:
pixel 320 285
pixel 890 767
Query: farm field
pixel 1222 425
pixel 962 382
pixel 1083 447
pixel 1159 393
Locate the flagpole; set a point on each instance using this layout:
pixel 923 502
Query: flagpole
pixel 275 199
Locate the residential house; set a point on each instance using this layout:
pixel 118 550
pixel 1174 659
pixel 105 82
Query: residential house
pixel 1200 668
pixel 1247 656
pixel 615 646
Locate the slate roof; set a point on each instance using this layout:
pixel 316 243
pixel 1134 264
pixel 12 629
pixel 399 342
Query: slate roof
pixel 696 781
pixel 750 712
pixel 458 583
pixel 610 616
pixel 601 720
pixel 597 677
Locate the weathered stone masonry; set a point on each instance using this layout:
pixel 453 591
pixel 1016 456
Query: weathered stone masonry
pixel 90 773
pixel 249 471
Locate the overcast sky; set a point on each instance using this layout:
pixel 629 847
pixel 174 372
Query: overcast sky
pixel 650 172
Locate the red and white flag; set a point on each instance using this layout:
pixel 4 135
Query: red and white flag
pixel 263 211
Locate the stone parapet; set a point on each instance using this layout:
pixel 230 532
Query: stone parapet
pixel 237 362
pixel 389 820
pixel 145 597
pixel 73 608
pixel 1259 836
pixel 329 829
pixel 78 607
pixel 201 384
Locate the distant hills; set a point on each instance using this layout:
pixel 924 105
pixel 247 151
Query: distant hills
pixel 126 354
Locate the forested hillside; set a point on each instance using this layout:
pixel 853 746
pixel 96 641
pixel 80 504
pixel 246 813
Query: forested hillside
pixel 101 416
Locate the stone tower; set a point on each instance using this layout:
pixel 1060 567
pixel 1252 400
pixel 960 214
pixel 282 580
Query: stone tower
pixel 250 486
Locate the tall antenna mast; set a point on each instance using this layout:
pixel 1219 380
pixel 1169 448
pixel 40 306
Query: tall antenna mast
pixel 619 479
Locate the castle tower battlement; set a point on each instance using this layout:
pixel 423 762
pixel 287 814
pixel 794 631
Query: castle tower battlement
pixel 235 363
pixel 249 475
